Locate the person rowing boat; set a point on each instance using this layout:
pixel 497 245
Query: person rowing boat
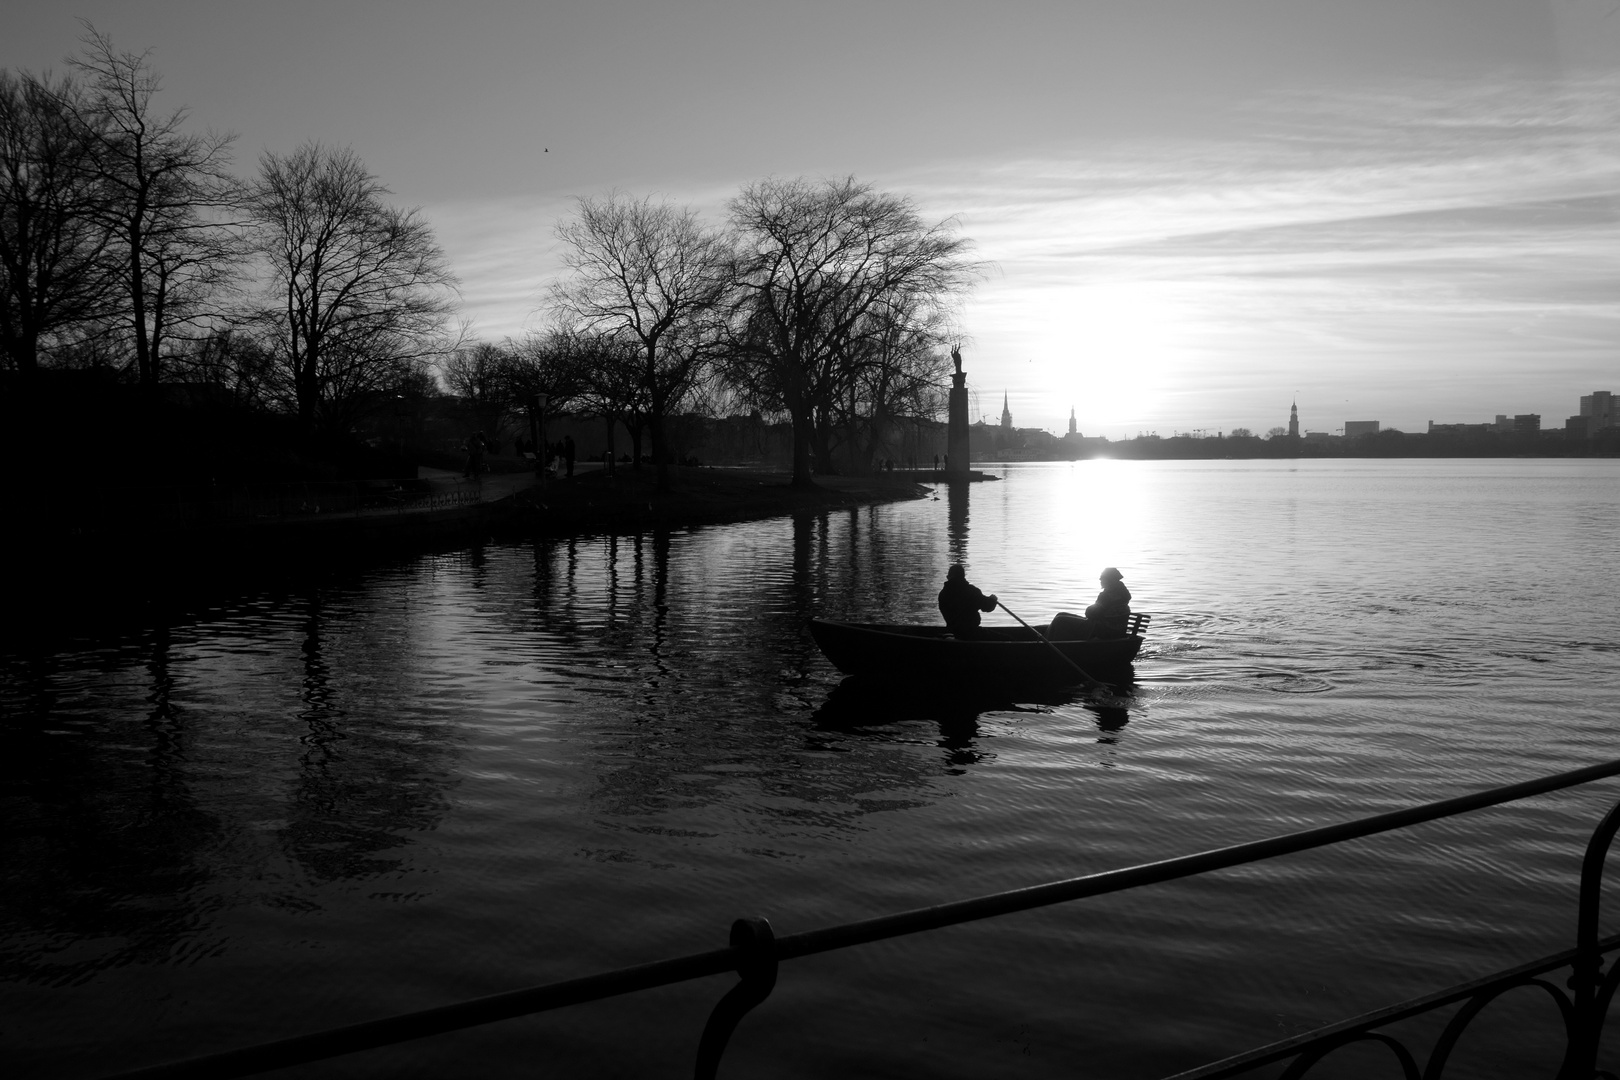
pixel 961 602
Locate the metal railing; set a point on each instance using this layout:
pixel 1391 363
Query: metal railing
pixel 755 954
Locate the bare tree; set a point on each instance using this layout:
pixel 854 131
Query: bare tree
pixel 648 274
pixel 820 263
pixel 478 375
pixel 359 289
pixel 53 275
pixel 903 376
pixel 556 363
pixel 165 189
pixel 233 360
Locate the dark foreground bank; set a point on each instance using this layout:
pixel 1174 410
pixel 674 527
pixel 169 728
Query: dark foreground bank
pixel 596 502
pixel 87 552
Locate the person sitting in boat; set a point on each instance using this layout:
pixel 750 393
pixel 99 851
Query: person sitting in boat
pixel 1109 617
pixel 961 603
pixel 1111 614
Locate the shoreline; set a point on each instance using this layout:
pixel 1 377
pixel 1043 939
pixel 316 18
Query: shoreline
pixel 128 564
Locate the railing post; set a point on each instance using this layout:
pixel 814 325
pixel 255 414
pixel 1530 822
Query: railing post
pixel 755 947
pixel 1587 978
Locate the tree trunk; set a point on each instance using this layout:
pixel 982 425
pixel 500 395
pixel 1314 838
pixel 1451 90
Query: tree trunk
pixel 660 447
pixel 821 436
pixel 307 389
pixel 802 428
pixel 24 352
pixel 854 451
pixel 145 362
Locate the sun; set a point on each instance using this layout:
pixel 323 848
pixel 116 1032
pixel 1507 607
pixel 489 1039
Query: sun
pixel 1109 352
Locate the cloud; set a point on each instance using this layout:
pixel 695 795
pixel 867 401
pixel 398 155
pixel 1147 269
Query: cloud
pixel 1427 228
pixel 1365 245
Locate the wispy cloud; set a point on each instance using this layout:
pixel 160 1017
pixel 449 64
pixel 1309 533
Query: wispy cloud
pixel 1364 250
pixel 1358 244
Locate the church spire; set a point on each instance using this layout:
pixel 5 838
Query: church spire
pixel 1006 413
pixel 1293 420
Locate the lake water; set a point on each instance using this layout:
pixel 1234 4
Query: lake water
pixel 476 771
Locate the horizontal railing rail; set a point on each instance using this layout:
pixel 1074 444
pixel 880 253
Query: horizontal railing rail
pixel 755 952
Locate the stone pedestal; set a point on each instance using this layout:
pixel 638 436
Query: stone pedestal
pixel 956 434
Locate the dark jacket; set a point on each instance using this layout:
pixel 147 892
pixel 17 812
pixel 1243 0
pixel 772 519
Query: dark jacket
pixel 961 603
pixel 1113 607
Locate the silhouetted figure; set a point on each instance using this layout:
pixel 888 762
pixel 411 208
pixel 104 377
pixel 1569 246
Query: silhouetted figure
pixel 1112 611
pixel 961 603
pixel 1109 617
pixel 475 454
pixel 568 453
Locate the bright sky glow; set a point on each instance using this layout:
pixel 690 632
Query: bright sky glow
pixel 1193 214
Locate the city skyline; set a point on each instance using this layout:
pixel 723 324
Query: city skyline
pixel 1547 421
pixel 1190 216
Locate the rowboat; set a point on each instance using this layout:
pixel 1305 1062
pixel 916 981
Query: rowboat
pixel 997 654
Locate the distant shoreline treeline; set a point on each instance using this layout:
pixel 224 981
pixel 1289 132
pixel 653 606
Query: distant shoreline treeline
pixel 1384 444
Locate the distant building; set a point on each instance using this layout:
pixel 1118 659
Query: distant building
pixel 1503 424
pixel 1597 414
pixel 1527 424
pixel 1598 408
pixel 1293 420
pixel 1074 444
pixel 1458 429
pixel 1320 436
pixel 1006 413
pixel 1352 428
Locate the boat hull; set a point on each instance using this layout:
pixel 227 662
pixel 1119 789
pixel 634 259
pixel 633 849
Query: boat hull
pixel 998 654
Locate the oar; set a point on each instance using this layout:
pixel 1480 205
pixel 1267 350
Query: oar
pixel 1091 684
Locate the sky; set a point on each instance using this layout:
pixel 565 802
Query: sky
pixel 1192 213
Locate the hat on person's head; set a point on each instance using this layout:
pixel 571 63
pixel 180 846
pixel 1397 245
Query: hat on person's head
pixel 1112 574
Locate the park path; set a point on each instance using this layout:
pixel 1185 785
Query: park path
pixel 491 487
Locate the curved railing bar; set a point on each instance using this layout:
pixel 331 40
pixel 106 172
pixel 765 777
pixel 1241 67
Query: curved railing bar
pixel 1309 1061
pixel 1597 851
pixel 1479 1003
pixel 1605 998
pixel 755 946
pixel 396 1029
pixel 1282 1049
pixel 1587 978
